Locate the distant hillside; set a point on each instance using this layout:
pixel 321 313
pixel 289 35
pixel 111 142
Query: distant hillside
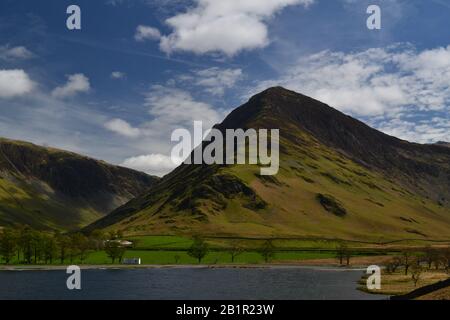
pixel 51 188
pixel 338 178
pixel 443 143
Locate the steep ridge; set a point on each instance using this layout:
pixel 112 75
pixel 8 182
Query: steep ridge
pixel 338 178
pixel 423 168
pixel 50 188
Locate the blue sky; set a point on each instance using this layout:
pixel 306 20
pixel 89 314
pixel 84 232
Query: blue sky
pixel 139 69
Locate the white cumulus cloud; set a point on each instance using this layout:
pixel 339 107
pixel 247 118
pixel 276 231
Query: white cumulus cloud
pixel 226 27
pixel 144 33
pixel 172 107
pixel 117 75
pixel 169 109
pixel 424 131
pixel 76 83
pixel 15 53
pixel 14 83
pixel 375 82
pixel 122 127
pixel 155 164
pixel 216 80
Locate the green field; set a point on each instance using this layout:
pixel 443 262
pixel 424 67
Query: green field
pixel 171 242
pixel 172 250
pixel 176 257
pixel 213 257
pixel 165 249
pixel 180 242
pixel 164 242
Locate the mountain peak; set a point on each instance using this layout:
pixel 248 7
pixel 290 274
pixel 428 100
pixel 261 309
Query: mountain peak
pixel 293 114
pixel 278 92
pixel 275 102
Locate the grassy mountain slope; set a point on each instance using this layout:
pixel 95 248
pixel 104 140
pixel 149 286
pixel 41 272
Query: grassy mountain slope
pixel 338 178
pixel 50 188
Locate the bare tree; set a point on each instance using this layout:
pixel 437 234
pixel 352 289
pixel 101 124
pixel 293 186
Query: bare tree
pixel 235 250
pixel 393 264
pixel 342 252
pixel 429 255
pixel 396 263
pixel 267 251
pixel 445 258
pixel 416 272
pixel 406 260
pixel 348 255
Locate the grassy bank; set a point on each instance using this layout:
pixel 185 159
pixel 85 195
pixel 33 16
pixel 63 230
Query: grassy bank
pixel 399 284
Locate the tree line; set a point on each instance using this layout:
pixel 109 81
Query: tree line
pixel 199 249
pixel 426 257
pixel 420 260
pixel 24 245
pixel 416 262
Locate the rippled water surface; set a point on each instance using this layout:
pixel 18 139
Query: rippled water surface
pixel 187 283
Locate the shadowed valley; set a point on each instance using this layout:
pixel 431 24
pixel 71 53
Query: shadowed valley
pixel 48 188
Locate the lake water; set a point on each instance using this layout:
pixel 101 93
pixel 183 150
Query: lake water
pixel 280 283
